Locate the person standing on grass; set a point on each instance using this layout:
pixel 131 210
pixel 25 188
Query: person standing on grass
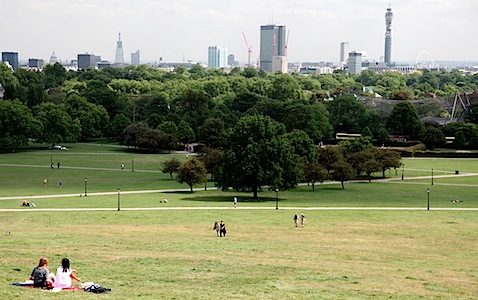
pixel 64 275
pixel 122 167
pixel 61 184
pixel 45 182
pixel 222 229
pixel 296 220
pixel 302 220
pixel 235 201
pixel 216 228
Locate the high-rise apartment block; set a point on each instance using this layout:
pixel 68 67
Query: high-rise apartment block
pixel 35 63
pixel 273 43
pixel 216 57
pixel 344 52
pixel 355 62
pixel 11 58
pixel 135 60
pixel 388 35
pixel 119 51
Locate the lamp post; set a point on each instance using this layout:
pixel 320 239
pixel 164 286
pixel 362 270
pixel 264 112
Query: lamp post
pixel 428 199
pixel 132 164
pixel 86 186
pixel 118 199
pixel 403 167
pixel 277 198
pixel 432 176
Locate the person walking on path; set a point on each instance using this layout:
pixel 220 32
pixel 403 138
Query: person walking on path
pixel 235 201
pixel 122 167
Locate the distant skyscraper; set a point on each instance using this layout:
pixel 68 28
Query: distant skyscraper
pixel 216 57
pixel 388 35
pixel 231 60
pixel 35 63
pixel 355 62
pixel 86 60
pixel 273 43
pixel 135 61
pixel 119 51
pixel 11 58
pixel 344 52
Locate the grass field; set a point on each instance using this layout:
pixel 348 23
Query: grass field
pixel 354 253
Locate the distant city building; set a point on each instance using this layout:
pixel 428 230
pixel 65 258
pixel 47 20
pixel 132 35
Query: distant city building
pixel 135 61
pixel 53 58
pixel 273 43
pixel 86 60
pixel 34 63
pixel 355 62
pixel 344 52
pixel 11 58
pixel 388 35
pixel 103 64
pixel 119 51
pixel 216 57
pixel 279 64
pixel 231 60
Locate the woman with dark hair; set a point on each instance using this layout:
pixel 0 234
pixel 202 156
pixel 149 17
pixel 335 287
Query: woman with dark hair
pixel 64 275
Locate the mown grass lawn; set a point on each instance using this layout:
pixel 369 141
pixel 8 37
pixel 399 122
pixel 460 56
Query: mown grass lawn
pixel 174 254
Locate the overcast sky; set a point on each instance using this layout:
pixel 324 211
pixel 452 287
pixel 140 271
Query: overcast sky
pixel 177 29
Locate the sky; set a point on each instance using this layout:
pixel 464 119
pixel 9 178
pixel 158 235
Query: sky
pixel 183 29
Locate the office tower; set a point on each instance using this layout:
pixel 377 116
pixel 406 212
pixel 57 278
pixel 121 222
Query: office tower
pixel 355 62
pixel 231 60
pixel 11 58
pixel 86 60
pixel 119 51
pixel 35 63
pixel 273 43
pixel 53 58
pixel 344 52
pixel 216 57
pixel 135 58
pixel 388 35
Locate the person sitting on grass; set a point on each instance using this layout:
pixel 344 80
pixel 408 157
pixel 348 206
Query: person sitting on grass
pixel 41 276
pixel 64 275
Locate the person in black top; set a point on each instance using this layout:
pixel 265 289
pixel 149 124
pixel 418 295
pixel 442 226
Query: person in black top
pixel 222 229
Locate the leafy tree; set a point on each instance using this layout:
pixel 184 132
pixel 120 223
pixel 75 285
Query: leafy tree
pixel 371 166
pixel 460 140
pixel 170 166
pixel 347 114
pixel 185 132
pixel 469 130
pixel 366 132
pixel 402 94
pixel 328 156
pixel 94 119
pixel 118 124
pixel 31 87
pixel 313 119
pixel 192 172
pixel 342 171
pixel 8 81
pixel 150 140
pixel 16 124
pixel 212 133
pixel 257 155
pixel 404 120
pixel 303 145
pixel 433 137
pixel 356 145
pixel 211 159
pixel 285 88
pixel 55 75
pixel 387 159
pixel 130 134
pixel 314 172
pixel 169 127
pixel 58 126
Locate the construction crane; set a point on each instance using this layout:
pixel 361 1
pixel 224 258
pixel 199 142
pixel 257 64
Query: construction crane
pixel 249 51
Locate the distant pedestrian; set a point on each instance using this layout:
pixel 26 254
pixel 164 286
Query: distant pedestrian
pixel 216 228
pixel 58 165
pixel 122 167
pixel 235 201
pixel 302 220
pixel 52 166
pixel 222 229
pixel 45 182
pixel 296 220
pixel 61 184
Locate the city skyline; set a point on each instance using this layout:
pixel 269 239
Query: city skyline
pixel 184 29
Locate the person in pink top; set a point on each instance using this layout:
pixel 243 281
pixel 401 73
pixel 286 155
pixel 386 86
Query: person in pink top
pixel 64 275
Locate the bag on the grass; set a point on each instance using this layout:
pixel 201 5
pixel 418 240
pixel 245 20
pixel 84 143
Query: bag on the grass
pixel 95 288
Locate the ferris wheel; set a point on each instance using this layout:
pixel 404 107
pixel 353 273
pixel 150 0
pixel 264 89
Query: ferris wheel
pixel 425 64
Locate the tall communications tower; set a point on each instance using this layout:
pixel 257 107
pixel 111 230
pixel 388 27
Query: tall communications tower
pixel 388 35
pixel 119 51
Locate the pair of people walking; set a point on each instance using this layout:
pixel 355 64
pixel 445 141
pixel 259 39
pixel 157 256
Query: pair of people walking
pixel 220 229
pixel 302 220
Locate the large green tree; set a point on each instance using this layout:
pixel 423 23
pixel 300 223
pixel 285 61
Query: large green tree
pixel 258 154
pixel 192 172
pixel 16 124
pixel 404 120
